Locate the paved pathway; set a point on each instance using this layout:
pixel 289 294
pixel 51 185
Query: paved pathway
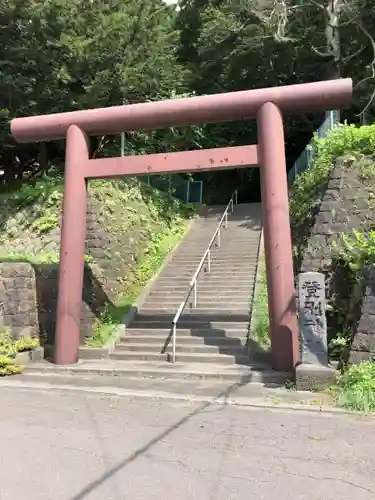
pixel 65 445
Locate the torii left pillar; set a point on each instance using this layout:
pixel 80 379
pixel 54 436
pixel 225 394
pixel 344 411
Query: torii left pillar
pixel 72 248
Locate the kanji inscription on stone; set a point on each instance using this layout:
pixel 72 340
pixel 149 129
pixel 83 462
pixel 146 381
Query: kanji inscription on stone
pixel 312 318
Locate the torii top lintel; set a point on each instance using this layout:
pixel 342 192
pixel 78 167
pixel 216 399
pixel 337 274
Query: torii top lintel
pixel 242 105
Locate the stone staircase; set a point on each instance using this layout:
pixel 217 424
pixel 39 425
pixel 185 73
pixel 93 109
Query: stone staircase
pixel 215 331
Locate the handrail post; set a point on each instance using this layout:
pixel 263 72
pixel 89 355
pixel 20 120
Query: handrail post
pixel 226 219
pixel 209 260
pixel 174 343
pixel 195 294
pixel 218 239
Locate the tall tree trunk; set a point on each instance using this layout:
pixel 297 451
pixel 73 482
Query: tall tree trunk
pixel 332 32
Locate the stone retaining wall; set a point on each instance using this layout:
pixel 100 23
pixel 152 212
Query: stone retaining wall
pixel 363 345
pixel 18 299
pixel 28 296
pixel 343 207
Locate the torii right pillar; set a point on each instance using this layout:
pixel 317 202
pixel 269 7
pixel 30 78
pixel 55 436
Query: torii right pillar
pixel 277 238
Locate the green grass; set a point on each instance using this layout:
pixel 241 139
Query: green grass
pixel 355 389
pixel 153 259
pixel 8 366
pixel 259 327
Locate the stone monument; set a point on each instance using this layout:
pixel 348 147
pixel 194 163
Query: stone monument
pixel 312 318
pixel 314 370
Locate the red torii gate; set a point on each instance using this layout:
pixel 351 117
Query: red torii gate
pixel 266 105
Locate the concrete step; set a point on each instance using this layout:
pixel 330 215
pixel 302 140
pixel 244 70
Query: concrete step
pixel 212 291
pixel 242 386
pixel 179 273
pixel 198 333
pixel 147 323
pixel 226 349
pixel 238 265
pixel 191 340
pixel 235 246
pixel 206 232
pixel 182 273
pixel 201 315
pixel 218 288
pixel 172 306
pixel 160 370
pixel 211 294
pixel 228 239
pixel 204 301
pixel 221 288
pixel 227 301
pixel 215 267
pixel 219 359
pixel 215 270
pixel 220 255
pixel 202 295
pixel 170 288
pixel 217 257
pixel 223 276
pixel 234 226
pixel 223 252
pixel 206 290
pixel 227 279
pixel 215 297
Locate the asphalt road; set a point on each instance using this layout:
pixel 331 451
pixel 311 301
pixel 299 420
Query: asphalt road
pixel 64 445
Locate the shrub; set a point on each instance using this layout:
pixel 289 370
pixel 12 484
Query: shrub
pixel 10 348
pixel 356 251
pixel 8 366
pixel 7 347
pixel 355 142
pixel 26 343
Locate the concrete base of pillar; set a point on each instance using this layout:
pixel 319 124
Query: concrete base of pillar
pixel 312 377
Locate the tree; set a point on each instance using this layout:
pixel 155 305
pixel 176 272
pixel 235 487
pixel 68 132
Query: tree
pixel 233 45
pixel 60 55
pixel 346 32
pixel 244 44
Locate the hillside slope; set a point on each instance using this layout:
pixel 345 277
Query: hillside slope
pixel 333 227
pixel 130 229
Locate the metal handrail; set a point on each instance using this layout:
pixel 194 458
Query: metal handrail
pixel 193 281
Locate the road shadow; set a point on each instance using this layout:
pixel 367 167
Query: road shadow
pixel 247 215
pixel 223 396
pixel 230 340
